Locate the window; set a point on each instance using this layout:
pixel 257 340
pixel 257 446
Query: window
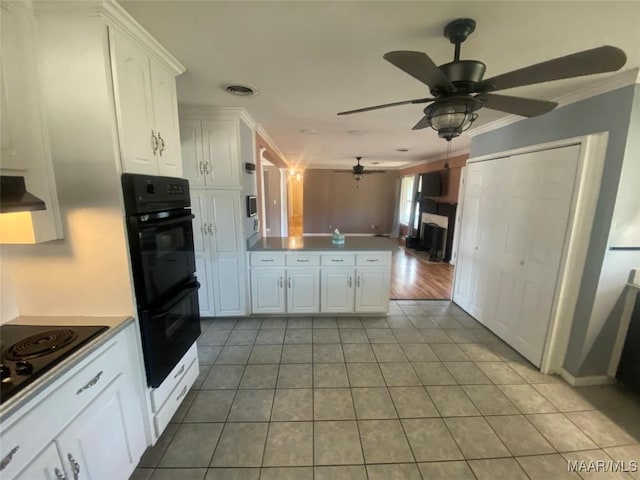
pixel 406 199
pixel 416 218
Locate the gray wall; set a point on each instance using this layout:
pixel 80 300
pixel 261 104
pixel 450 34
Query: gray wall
pixel 249 184
pixel 606 112
pixel 331 198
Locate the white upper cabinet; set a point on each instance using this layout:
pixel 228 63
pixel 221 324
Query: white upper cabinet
pixel 210 152
pixel 146 110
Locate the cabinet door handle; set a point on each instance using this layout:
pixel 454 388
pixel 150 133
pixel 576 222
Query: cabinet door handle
pixel 7 459
pixel 154 142
pixel 161 142
pixel 206 168
pixel 211 230
pixel 281 284
pixel 289 282
pixel 358 281
pixel 59 474
pixel 350 281
pixel 201 168
pixel 182 393
pixel 179 372
pixel 203 230
pixel 75 466
pixel 90 383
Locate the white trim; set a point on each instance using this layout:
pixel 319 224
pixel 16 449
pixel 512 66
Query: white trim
pixel 613 82
pixel 576 244
pixel 204 112
pixel 265 136
pixel 625 321
pixel 586 380
pixel 574 255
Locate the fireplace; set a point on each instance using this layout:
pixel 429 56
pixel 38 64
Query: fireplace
pixel 433 235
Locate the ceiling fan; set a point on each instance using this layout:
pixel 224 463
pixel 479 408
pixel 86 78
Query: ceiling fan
pixel 458 89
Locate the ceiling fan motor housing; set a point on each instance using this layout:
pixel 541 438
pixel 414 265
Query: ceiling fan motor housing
pixel 464 74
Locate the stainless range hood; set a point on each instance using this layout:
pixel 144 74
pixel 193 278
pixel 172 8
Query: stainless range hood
pixel 15 198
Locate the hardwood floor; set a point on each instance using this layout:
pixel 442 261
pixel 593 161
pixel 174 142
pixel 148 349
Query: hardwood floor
pixel 413 278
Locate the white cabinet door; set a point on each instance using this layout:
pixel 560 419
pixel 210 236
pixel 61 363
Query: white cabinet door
pixel 201 222
pixel 228 285
pixel 337 290
pixel 220 148
pixel 165 110
pixel 205 292
pixel 303 290
pixel 372 289
pixel 191 146
pixel 224 213
pixel 103 441
pixel 134 105
pixel 46 465
pixel 267 290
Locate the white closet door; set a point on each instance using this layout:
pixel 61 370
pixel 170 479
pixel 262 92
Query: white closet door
pixel 548 221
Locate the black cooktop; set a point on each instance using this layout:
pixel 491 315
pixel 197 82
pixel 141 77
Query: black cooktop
pixel 28 351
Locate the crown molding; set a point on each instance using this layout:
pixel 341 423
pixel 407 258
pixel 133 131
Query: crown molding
pixel 457 153
pixel 267 138
pixel 116 16
pixel 614 82
pixel 229 113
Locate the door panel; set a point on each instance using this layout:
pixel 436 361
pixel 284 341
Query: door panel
pixel 303 290
pixel 165 109
pixel 337 290
pixel 229 294
pixel 267 290
pixel 134 107
pixel 201 235
pixel 205 292
pixel 372 289
pixel 224 211
pixel 191 150
pixel 220 148
pixel 44 466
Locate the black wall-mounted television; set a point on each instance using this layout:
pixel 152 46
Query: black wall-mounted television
pixel 431 184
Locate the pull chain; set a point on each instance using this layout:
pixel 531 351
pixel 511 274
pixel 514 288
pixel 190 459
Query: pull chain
pixel 446 162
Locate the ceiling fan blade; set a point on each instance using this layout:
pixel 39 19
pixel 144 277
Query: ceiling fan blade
pixel 386 105
pixel 526 107
pixel 423 123
pixel 597 60
pixel 421 67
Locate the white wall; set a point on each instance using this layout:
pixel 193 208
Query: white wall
pixel 86 273
pixel 8 305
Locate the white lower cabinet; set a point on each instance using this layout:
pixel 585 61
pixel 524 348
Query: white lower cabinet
pixel 337 285
pixel 46 465
pixel 88 424
pixel 372 289
pixel 267 290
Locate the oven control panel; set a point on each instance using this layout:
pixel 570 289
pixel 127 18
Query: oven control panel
pixel 147 193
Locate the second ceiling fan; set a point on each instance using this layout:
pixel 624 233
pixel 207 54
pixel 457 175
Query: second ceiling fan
pixel 458 89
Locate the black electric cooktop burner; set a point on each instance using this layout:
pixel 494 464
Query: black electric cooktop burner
pixel 28 351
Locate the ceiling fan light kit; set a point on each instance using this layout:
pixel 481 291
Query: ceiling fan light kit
pixel 459 90
pixel 358 171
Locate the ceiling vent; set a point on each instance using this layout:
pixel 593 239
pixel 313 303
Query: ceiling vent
pixel 241 90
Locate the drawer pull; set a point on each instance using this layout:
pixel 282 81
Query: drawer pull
pixel 266 259
pixel 7 460
pixel 90 383
pixel 75 466
pixel 182 393
pixel 337 261
pixel 59 474
pixel 373 259
pixel 180 372
pixel 302 261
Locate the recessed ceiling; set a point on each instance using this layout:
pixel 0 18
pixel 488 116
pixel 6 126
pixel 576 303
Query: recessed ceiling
pixel 310 60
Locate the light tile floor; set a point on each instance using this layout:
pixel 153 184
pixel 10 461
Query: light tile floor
pixel 426 392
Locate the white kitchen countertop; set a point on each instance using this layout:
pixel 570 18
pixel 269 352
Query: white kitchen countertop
pixel 115 324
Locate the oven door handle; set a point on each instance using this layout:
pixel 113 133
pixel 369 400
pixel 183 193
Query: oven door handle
pixel 188 291
pixel 162 223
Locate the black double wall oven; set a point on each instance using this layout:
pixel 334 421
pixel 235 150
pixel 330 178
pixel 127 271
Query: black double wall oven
pixel 160 231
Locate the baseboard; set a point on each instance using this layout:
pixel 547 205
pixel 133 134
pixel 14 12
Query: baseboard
pixel 586 380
